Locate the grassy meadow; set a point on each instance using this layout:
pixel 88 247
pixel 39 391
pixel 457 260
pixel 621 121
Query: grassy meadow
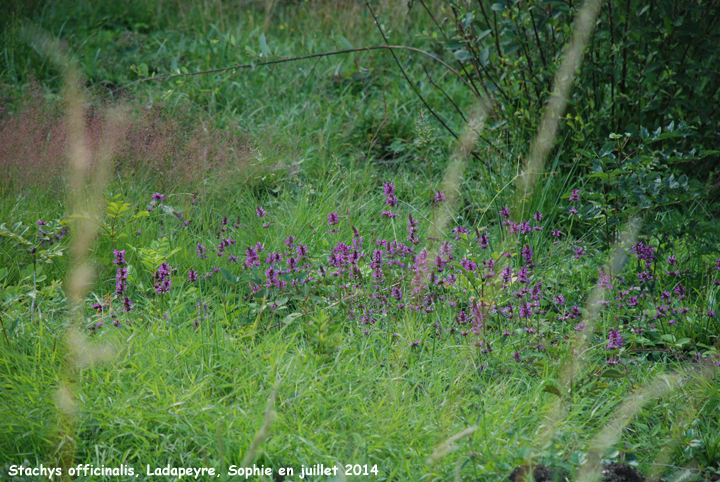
pixel 387 261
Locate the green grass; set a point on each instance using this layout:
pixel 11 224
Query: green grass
pixel 324 140
pixel 173 395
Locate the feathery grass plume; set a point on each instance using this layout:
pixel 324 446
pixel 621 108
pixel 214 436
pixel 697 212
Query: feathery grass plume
pixel 591 471
pixel 264 431
pixel 450 186
pixel 84 199
pixel 663 458
pixel 542 144
pixel 447 446
pixel 574 363
pixel 564 77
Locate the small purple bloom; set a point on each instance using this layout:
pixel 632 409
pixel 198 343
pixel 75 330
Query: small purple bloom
pixel 575 195
pixel 260 212
pixel 615 341
pixel 332 219
pixel 439 197
pixel 158 197
pixel 389 191
pixel 527 254
pixel 119 257
pixel 482 239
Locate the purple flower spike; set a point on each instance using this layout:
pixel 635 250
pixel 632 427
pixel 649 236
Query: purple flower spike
pixel 332 219
pixel 119 257
pixel 505 212
pixel 192 276
pixel 412 230
pixel 389 191
pixel 615 341
pixel 439 197
pixel 482 240
pixel 260 212
pixel 412 223
pixel 201 251
pixel 158 197
pixel 575 195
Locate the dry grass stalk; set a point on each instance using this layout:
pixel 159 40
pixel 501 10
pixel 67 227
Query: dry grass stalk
pixel 84 199
pixel 564 77
pixel 264 431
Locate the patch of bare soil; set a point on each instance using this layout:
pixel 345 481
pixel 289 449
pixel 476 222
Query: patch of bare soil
pixel 614 472
pixel 618 472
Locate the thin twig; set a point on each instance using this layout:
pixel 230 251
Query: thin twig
pixel 477 92
pixel 459 111
pixel 416 90
pixel 304 57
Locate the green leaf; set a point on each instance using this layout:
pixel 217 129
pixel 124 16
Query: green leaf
pixel 345 41
pixel 264 46
pixel 462 55
pixel 552 388
pixel 290 318
pixel 578 457
pixel 612 373
pixel 607 150
pixel 485 56
pixel 228 276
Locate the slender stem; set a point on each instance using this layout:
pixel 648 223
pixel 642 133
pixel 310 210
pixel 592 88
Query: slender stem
pixel 304 57
pixel 446 95
pixel 416 90
pixel 4 332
